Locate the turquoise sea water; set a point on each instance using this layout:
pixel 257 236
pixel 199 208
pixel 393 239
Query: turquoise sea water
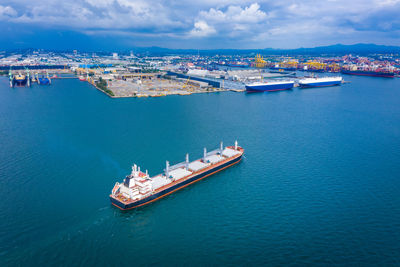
pixel 319 184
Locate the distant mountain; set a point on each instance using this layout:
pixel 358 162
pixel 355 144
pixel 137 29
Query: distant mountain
pixel 337 49
pixel 346 49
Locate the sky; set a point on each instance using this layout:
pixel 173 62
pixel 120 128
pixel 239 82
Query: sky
pixel 203 24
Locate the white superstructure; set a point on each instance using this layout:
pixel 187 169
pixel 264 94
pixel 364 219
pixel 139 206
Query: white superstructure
pixel 135 186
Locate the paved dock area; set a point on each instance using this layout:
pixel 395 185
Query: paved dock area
pixel 155 87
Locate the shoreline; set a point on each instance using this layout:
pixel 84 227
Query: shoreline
pixel 161 94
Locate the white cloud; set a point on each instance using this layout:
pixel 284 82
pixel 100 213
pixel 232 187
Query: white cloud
pixel 100 3
pixel 202 29
pixel 233 20
pixel 7 12
pixel 232 23
pixel 235 14
pixel 387 2
pixel 100 14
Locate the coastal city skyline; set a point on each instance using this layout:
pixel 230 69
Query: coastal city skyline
pixel 123 24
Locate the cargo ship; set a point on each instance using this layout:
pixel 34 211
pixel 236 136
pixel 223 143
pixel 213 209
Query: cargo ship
pixel 269 86
pixel 375 73
pixel 20 80
pixel 139 189
pixel 320 81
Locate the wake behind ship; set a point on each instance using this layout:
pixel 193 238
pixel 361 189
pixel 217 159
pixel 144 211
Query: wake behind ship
pixel 140 189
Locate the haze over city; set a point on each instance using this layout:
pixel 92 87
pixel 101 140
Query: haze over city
pixel 123 24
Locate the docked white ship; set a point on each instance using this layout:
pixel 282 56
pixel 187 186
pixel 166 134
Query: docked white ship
pixel 320 81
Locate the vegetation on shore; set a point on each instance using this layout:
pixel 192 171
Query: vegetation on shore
pixel 102 85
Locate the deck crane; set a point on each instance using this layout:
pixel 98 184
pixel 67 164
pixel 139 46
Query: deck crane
pixel 259 63
pixel 186 83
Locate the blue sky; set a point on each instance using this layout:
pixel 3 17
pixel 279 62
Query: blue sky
pixel 206 24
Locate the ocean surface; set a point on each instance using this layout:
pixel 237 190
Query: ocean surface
pixel 319 184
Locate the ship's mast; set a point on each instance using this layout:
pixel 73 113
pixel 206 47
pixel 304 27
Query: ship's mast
pixel 134 169
pixel 28 78
pixel 11 78
pixel 47 75
pixel 167 169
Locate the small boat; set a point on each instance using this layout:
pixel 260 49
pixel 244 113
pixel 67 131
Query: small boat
pixel 43 80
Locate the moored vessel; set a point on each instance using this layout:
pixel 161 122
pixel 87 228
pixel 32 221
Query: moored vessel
pixel 140 189
pixel 269 86
pixel 20 80
pixel 44 80
pixel 320 81
pixel 374 73
pixel 283 68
